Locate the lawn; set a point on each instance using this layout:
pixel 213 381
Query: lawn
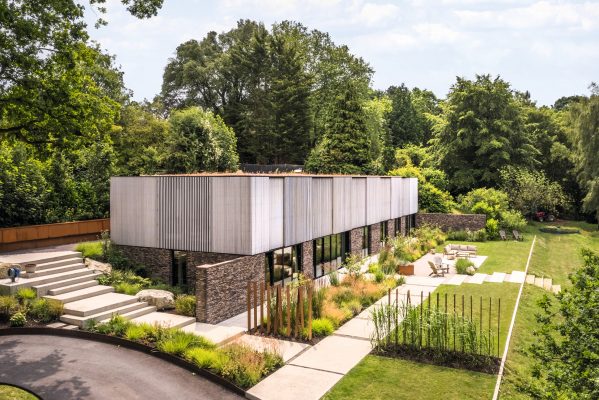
pixel 388 378
pixel 8 392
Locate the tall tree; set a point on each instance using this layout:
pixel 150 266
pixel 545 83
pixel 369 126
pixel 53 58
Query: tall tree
pixel 480 131
pixel 344 147
pixel 403 118
pixel 585 115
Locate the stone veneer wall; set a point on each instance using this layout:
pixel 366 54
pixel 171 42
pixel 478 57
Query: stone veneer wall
pixel 454 222
pixel 375 238
pixel 221 289
pixel 196 258
pixel 158 262
pixel 355 238
pixel 308 259
pixel 391 228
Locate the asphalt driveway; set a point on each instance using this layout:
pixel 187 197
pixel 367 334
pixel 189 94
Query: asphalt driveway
pixel 62 368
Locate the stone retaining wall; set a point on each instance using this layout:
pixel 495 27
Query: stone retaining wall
pixel 221 289
pixel 452 222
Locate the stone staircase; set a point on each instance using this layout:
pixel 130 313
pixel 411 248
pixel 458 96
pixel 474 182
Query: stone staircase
pixel 63 276
pixel 544 283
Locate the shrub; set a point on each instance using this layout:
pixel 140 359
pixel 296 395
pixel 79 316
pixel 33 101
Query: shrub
pixel 116 326
pixel 128 288
pixel 373 267
pixel 18 319
pixel 8 306
pixel 479 236
pixel 175 341
pixel 25 295
pixel 333 313
pixel 318 300
pixel 354 307
pixel 186 305
pixel 140 332
pixel 491 202
pixel 343 294
pixel 460 235
pixel 45 310
pixel 91 250
pixel 462 266
pixel 334 278
pixel 245 366
pixel 511 220
pixel 400 281
pixel 205 358
pixel 379 276
pixel 492 228
pixel 322 327
pixel 115 277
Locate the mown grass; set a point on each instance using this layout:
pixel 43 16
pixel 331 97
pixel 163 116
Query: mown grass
pixel 388 378
pixel 8 392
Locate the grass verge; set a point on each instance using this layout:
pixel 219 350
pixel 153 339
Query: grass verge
pixel 8 392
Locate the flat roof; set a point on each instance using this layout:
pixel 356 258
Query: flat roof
pixel 267 174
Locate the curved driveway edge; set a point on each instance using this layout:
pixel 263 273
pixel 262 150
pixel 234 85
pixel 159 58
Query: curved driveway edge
pixel 61 368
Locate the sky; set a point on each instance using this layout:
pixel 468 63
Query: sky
pixel 548 47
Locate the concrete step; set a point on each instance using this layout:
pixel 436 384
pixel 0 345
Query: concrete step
pixel 165 320
pixel 539 281
pixel 98 304
pixel 71 288
pixel 81 294
pixel 44 258
pixel 530 279
pixel 42 290
pixel 58 263
pixel 61 276
pixel 55 270
pixel 517 277
pixel 497 277
pixel 556 289
pixel 547 284
pixel 129 309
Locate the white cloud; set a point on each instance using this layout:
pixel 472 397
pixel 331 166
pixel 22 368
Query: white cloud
pixel 437 33
pixel 373 13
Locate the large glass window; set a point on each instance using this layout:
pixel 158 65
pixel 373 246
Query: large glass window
pixel 365 241
pixel 383 231
pixel 283 265
pixel 329 252
pixel 179 268
pixel 397 226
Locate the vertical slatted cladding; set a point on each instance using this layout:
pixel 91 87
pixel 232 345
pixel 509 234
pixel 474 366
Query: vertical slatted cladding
pixel 342 212
pixel 358 202
pixel 297 210
pixel 385 199
pixel 413 195
pixel 231 211
pixel 260 203
pixel 396 190
pixel 322 207
pixel 184 212
pixel 133 209
pixel 373 200
pixel 275 208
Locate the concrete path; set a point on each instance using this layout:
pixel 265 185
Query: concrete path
pixel 58 368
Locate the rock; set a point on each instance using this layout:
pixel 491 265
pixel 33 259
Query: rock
pixel 98 266
pixel 162 299
pixel 470 270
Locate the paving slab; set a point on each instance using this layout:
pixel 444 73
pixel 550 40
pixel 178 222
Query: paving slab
pixel 518 277
pixel 56 325
pixel 497 277
pixel 425 280
pixel 456 279
pixel 478 278
pixel 539 281
pixel 216 333
pixel 334 354
pixel 294 383
pixel 285 348
pixel 530 279
pixel 238 321
pixel 556 289
pixel 164 319
pixel 547 284
pixel 357 327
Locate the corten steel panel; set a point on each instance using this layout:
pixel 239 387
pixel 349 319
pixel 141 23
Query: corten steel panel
pixel 342 213
pixel 275 208
pixel 374 200
pixel 183 213
pixel 231 218
pixel 133 210
pixel 385 199
pixel 260 203
pixel 322 207
pixel 413 195
pixel 297 212
pixel 358 202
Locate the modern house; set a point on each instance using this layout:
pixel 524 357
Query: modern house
pixel 217 232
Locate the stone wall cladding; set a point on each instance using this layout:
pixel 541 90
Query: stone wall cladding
pixel 221 289
pixel 404 226
pixel 453 222
pixel 196 258
pixel 158 262
pixel 355 238
pixel 308 260
pixel 391 228
pixel 375 238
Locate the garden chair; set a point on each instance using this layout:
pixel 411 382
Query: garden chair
pixel 436 271
pixel 502 235
pixel 517 235
pixel 440 265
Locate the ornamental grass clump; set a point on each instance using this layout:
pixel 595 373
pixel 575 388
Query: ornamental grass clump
pixel 465 267
pixel 45 310
pixel 186 305
pixel 141 332
pixel 175 341
pixel 322 327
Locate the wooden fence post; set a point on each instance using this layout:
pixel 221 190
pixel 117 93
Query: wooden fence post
pixel 268 309
pixel 262 307
pixel 498 323
pixel 310 288
pixel 249 301
pixel 288 298
pixel 256 305
pixel 301 308
pixel 279 308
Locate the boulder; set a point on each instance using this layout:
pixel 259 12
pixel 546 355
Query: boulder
pixel 162 299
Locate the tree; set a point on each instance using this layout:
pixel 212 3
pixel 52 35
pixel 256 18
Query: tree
pixel 344 147
pixel 531 191
pixel 403 118
pixel 376 113
pixel 200 141
pixel 585 116
pixel 491 202
pixel 50 88
pixel 567 350
pixel 480 131
pixel 431 198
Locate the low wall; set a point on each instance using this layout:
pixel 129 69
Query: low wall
pixel 453 222
pixel 221 289
pixel 34 236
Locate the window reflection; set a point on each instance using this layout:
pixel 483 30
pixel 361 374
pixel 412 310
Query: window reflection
pixel 283 265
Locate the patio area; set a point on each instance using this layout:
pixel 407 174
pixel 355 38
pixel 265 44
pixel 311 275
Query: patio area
pixel 422 268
